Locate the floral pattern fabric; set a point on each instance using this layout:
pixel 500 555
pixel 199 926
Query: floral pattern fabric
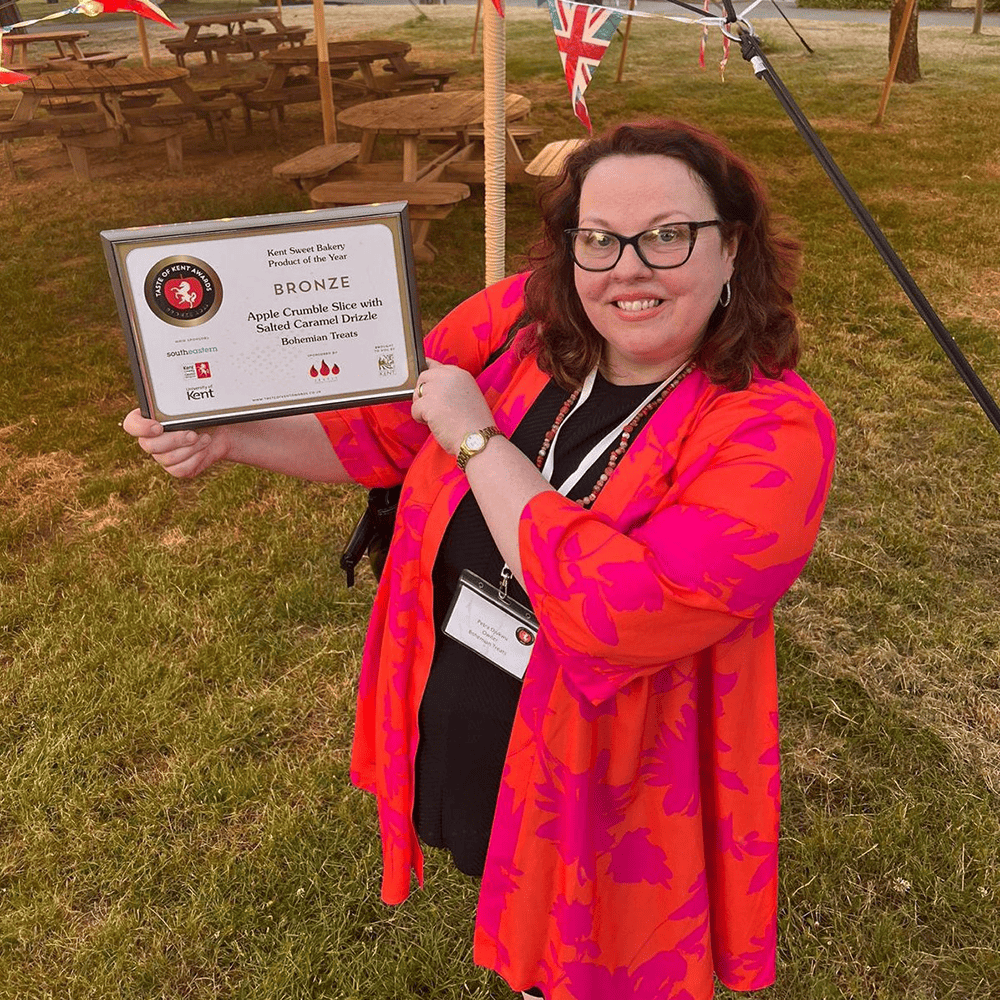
pixel 634 849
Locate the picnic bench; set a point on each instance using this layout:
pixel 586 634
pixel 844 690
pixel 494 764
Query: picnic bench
pixel 314 166
pixel 71 62
pixel 436 78
pixel 549 162
pixel 15 47
pixel 410 117
pixel 161 124
pixel 428 200
pixel 122 98
pixel 241 35
pixel 284 86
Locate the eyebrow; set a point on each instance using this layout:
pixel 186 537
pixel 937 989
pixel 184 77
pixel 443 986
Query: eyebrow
pixel 604 227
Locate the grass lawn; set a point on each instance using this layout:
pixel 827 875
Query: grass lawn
pixel 179 659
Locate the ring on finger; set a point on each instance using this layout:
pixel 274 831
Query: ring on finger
pixel 420 390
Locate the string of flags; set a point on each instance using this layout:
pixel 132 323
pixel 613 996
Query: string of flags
pixel 92 8
pixel 584 31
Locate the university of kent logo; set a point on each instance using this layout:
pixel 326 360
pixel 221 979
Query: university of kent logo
pixel 183 291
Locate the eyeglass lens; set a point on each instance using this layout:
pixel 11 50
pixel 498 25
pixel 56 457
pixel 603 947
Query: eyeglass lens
pixel 664 246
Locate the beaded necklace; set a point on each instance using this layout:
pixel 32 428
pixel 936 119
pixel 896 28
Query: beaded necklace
pixel 623 444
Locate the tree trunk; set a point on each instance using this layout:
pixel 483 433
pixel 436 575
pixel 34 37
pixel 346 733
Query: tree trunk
pixel 908 70
pixel 977 24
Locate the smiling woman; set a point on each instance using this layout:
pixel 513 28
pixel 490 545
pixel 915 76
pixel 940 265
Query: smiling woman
pixel 650 308
pixel 610 476
pixel 646 178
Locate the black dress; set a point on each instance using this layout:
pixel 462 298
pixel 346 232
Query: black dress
pixel 468 707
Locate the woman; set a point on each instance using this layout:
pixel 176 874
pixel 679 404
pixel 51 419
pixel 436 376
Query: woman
pixel 620 799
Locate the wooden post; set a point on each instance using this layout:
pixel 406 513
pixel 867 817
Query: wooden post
pixel 140 27
pixel 323 72
pixel 628 28
pixel 495 141
pixel 894 61
pixel 475 25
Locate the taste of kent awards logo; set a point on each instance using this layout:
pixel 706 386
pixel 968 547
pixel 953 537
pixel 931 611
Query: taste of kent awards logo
pixel 183 291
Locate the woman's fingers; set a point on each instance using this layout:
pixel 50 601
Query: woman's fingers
pixel 447 399
pixel 181 453
pixel 173 441
pixel 139 426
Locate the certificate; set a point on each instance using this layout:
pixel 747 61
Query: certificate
pixel 243 319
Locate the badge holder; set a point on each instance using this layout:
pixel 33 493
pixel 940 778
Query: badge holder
pixel 484 619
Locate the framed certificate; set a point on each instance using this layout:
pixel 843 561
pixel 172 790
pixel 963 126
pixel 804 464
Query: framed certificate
pixel 243 319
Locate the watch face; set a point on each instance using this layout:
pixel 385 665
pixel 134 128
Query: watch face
pixel 474 441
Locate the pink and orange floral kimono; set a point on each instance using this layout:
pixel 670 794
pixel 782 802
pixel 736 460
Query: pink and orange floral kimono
pixel 635 844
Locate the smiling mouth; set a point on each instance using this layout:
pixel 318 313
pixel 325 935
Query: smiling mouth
pixel 637 305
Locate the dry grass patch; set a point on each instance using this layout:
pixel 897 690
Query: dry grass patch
pixel 30 482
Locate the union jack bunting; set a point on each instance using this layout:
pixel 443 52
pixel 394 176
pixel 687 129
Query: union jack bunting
pixel 583 35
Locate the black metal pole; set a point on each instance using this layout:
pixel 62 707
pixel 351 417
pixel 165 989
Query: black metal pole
pixel 763 70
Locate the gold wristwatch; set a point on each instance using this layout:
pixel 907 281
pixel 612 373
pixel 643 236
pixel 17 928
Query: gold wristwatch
pixel 473 444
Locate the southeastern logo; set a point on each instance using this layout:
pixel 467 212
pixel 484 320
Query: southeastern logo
pixel 183 291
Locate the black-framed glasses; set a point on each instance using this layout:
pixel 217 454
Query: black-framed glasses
pixel 664 247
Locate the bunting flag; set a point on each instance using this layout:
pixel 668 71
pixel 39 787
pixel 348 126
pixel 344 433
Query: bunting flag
pixel 583 34
pixel 704 37
pixel 8 76
pixel 144 8
pixel 499 6
pixel 725 58
pixel 725 47
pixel 92 8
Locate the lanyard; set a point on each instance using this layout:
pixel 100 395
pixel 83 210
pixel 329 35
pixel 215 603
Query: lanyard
pixel 615 434
pixel 574 477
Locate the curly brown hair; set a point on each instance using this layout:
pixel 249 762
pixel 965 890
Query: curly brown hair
pixel 757 331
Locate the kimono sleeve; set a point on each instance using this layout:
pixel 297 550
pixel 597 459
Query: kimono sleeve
pixel 377 444
pixel 734 531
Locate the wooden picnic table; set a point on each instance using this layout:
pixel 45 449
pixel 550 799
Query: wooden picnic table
pixel 111 122
pixel 284 86
pixel 242 34
pixel 235 21
pixel 66 44
pixel 363 54
pixel 416 115
pixel 108 85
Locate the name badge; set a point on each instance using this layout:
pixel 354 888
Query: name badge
pixel 498 629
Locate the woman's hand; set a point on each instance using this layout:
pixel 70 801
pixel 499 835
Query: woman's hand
pixel 448 400
pixel 181 453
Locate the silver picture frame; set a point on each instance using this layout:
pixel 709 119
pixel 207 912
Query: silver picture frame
pixel 271 315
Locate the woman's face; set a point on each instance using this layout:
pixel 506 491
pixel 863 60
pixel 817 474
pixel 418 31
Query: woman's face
pixel 651 319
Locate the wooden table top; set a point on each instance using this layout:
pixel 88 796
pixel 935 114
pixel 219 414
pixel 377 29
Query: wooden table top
pixel 340 52
pixel 69 35
pixel 427 112
pixel 98 81
pixel 235 17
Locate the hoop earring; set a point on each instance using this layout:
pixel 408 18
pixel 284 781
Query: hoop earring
pixel 728 293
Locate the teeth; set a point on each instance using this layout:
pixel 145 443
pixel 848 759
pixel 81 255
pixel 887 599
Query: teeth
pixel 638 305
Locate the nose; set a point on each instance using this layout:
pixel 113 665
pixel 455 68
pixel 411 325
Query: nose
pixel 631 263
